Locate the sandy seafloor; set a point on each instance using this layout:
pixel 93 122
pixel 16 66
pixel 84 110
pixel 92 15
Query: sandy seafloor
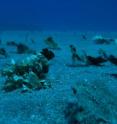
pixel 47 106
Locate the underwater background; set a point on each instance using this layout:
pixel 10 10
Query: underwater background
pixel 58 62
pixel 58 14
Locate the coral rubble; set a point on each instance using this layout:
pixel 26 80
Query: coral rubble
pixel 28 74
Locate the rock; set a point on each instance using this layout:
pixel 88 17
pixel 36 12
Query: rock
pixel 22 48
pixel 51 43
pixel 102 40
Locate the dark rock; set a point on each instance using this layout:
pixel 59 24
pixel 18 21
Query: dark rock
pixel 84 37
pixel 71 112
pixel 113 75
pixel 97 61
pixel 3 52
pixel 22 48
pixel 113 59
pixel 75 56
pixel 102 41
pixel 48 53
pixel 51 43
pixel 11 43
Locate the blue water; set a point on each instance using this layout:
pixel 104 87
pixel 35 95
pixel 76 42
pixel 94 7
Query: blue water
pixel 58 14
